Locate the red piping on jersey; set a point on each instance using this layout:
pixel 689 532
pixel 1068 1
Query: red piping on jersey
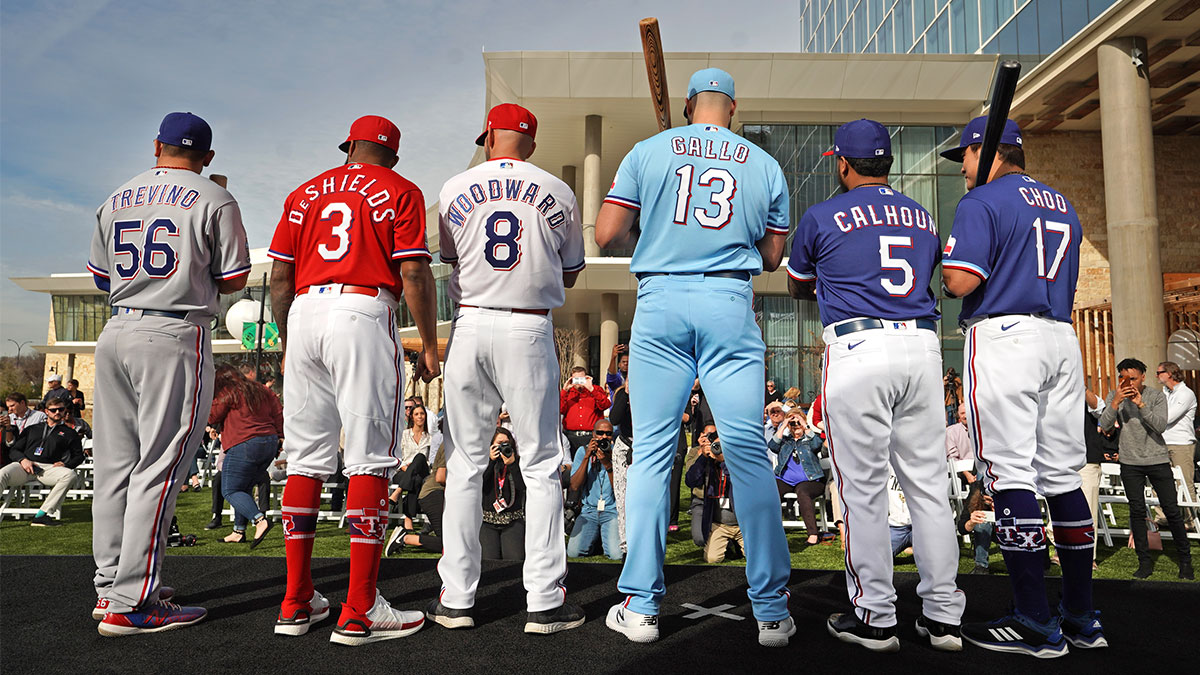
pixel 496 159
pixel 975 421
pixel 845 509
pixel 398 357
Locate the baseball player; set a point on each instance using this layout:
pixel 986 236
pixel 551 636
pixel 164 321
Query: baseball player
pixel 166 243
pixel 512 233
pixel 348 242
pixel 714 212
pixel 1013 256
pixel 881 386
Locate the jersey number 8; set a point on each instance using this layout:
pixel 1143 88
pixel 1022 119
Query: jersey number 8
pixel 503 250
pixel 157 259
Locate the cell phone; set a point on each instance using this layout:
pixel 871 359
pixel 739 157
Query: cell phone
pixel 579 380
pixel 989 516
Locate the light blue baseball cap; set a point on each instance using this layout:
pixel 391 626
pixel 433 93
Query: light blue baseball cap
pixel 710 79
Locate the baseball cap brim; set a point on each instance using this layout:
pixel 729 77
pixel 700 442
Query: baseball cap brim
pixel 828 153
pixel 482 137
pixel 345 146
pixel 954 154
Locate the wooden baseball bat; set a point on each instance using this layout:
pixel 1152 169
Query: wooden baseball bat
pixel 1003 90
pixel 219 180
pixel 656 71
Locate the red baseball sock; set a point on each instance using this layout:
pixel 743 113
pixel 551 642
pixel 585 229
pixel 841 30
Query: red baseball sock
pixel 301 499
pixel 367 513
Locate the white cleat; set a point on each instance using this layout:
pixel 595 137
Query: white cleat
pixel 776 633
pixel 636 627
pixel 299 623
pixel 383 622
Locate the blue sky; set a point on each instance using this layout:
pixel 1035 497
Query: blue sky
pixel 83 86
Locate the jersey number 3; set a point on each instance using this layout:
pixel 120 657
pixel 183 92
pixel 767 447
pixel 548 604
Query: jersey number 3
pixel 153 255
pixel 341 229
pixel 503 249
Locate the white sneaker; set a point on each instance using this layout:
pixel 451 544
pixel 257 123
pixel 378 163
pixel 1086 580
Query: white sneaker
pixel 383 622
pixel 776 633
pixel 636 627
pixel 301 620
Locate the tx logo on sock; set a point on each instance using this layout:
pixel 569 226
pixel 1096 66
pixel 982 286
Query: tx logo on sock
pixel 367 522
pixel 1022 533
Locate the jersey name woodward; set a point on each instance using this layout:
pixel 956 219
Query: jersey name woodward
pixel 839 241
pixel 705 197
pixel 1021 238
pixel 165 238
pixel 511 229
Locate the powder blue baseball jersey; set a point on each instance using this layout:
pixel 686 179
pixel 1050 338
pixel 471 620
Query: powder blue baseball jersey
pixel 706 195
pixel 1022 239
pixel 872 252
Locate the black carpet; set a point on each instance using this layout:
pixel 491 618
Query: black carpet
pixel 45 625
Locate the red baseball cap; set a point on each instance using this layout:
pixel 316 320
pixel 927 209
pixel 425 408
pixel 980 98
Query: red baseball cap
pixel 375 129
pixel 512 117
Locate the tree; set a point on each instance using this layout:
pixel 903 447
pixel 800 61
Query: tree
pixel 22 374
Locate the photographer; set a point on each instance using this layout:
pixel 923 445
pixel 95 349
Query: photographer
pixel 718 518
pixel 502 534
pixel 581 404
pixel 954 394
pixel 798 470
pixel 592 475
pixel 978 519
pixel 618 368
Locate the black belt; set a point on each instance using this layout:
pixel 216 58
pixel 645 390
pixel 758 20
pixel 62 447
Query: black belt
pixel 575 432
pixel 152 312
pixel 869 324
pixel 741 274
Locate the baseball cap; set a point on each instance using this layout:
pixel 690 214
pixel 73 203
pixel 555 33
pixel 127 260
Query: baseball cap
pixel 710 79
pixel 861 139
pixel 186 131
pixel 973 133
pixel 54 378
pixel 509 116
pixel 375 129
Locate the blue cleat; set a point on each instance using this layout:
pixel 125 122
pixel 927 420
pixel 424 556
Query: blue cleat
pixel 1082 630
pixel 150 618
pixel 1018 635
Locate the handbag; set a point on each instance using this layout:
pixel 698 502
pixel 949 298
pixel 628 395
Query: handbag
pixel 1153 538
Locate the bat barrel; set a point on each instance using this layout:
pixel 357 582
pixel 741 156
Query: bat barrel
pixel 1003 90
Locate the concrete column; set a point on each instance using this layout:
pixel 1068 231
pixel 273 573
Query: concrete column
pixel 568 177
pixel 582 333
pixel 1139 324
pixel 608 330
pixel 592 195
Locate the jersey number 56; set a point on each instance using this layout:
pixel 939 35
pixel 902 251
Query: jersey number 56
pixel 152 252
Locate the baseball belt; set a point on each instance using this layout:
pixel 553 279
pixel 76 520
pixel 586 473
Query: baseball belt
pixel 151 312
pixel 514 310
pixel 739 274
pixel 869 324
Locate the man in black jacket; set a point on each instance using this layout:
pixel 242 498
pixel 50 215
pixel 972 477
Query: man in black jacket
pixel 47 453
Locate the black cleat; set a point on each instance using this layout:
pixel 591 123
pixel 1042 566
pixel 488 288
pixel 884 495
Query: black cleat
pixel 1018 635
pixel 849 628
pixel 564 617
pixel 943 636
pixel 447 617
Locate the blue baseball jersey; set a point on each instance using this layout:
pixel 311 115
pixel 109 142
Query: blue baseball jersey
pixel 1021 238
pixel 705 196
pixel 872 252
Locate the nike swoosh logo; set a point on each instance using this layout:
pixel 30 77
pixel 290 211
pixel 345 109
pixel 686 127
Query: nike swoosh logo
pixel 1009 325
pixel 855 344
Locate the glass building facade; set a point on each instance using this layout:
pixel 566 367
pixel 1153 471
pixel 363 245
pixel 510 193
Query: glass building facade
pixel 1025 30
pixel 792 328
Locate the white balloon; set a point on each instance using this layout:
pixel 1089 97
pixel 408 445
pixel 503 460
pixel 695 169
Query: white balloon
pixel 243 311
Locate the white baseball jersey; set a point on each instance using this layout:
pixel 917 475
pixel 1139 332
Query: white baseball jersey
pixel 161 237
pixel 516 229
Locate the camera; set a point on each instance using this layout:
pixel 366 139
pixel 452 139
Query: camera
pixel 714 444
pixel 505 448
pixel 579 381
pixel 602 443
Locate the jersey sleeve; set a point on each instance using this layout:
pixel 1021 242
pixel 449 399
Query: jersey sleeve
pixel 571 250
pixel 972 240
pixel 231 250
pixel 447 248
pixel 801 263
pixel 624 191
pixel 777 215
pixel 283 242
pixel 98 260
pixel 409 229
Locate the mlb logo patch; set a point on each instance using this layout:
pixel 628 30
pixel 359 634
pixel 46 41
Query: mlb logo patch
pixel 523 125
pixel 878 152
pixel 186 141
pixel 506 165
pixel 713 83
pixel 382 138
pixel 949 247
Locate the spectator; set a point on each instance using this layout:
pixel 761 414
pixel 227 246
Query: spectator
pixel 75 403
pixel 618 367
pixel 79 424
pixel 432 500
pixel 773 395
pixel 958 442
pixel 415 443
pixel 211 447
pixel 620 414
pixel 592 475
pixel 1101 447
pixel 775 415
pixel 252 424
pixel 697 414
pixel 48 453
pixel 952 384
pixel 55 390
pixel 696 506
pixel 1180 435
pixel 797 468
pixel 978 520
pixel 504 420
pixel 502 534
pixel 791 398
pixel 1142 413
pixel 899 519
pixel 581 404
pixel 19 417
pixel 718 519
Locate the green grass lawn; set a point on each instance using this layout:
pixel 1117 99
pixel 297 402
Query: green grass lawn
pixel 74 537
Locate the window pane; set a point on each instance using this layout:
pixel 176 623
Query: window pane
pixel 1050 33
pixel 1074 17
pixel 1027 30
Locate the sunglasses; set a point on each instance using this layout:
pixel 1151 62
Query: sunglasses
pixel 775 412
pixel 603 433
pixel 55 409
pixel 1162 372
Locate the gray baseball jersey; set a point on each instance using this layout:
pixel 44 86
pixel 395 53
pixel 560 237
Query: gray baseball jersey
pixel 163 236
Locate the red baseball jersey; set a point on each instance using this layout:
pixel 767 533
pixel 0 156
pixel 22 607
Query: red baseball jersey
pixel 348 225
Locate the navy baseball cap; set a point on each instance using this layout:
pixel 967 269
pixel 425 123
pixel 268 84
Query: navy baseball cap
pixel 973 133
pixel 710 79
pixel 861 139
pixel 186 131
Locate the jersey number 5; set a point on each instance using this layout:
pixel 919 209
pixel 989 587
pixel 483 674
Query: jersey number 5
pixel 889 262
pixel 722 198
pixel 503 250
pixel 156 258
